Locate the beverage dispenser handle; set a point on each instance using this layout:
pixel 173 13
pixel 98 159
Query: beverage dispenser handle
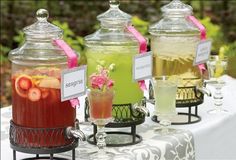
pixel 142 50
pixel 202 29
pixel 72 61
pixel 199 26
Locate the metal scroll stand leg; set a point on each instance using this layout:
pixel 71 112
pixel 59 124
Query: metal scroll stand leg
pixel 133 132
pixel 73 154
pixel 95 130
pixel 51 156
pixel 14 154
pixel 196 110
pixel 189 114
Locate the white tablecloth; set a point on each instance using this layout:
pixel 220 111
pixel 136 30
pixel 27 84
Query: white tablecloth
pixel 214 136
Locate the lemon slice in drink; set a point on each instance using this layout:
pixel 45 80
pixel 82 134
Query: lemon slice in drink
pixel 219 69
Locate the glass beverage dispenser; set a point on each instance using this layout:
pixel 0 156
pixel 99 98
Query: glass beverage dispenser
pixel 173 43
pixel 39 118
pixel 113 48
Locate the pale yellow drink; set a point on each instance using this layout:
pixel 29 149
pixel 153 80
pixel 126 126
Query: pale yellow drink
pixel 165 93
pixel 174 56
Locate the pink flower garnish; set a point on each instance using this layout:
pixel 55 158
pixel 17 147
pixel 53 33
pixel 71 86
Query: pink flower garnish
pixel 110 83
pixel 101 80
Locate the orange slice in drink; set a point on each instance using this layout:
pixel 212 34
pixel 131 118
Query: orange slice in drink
pixel 22 84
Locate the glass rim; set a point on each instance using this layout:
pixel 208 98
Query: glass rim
pixel 217 58
pixel 95 91
pixel 167 78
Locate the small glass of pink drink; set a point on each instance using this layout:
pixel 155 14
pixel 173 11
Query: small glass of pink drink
pixel 100 98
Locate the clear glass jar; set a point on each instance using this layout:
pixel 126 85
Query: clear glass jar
pixel 112 46
pixel 173 43
pixel 36 72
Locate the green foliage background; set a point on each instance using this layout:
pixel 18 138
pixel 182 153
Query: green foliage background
pixel 78 19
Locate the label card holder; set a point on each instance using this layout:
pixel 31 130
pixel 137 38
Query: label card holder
pixel 73 82
pixel 203 51
pixel 142 66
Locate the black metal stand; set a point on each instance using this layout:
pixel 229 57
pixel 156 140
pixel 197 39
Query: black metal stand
pixel 18 133
pixel 133 137
pixel 187 97
pixel 124 116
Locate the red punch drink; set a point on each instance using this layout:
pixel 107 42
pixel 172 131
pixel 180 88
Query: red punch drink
pixel 37 104
pixel 100 97
pixel 100 104
pixel 41 123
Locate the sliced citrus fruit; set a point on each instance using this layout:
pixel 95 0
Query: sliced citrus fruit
pixel 219 69
pixel 25 83
pixel 50 82
pixel 34 94
pixel 22 84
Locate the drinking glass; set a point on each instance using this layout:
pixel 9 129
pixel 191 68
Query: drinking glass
pixel 216 67
pixel 165 89
pixel 100 103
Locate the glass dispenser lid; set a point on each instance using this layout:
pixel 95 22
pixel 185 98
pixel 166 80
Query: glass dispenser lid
pixel 177 7
pixel 42 28
pixel 38 44
pixel 174 19
pixel 112 31
pixel 114 14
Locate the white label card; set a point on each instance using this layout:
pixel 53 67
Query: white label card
pixel 202 52
pixel 73 83
pixel 142 66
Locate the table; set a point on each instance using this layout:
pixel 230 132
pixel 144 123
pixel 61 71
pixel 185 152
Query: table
pixel 214 136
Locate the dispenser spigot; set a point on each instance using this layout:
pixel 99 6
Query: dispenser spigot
pixel 75 132
pixel 142 109
pixel 205 91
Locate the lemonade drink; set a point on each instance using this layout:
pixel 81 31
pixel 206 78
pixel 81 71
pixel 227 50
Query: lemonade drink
pixel 174 39
pixel 217 67
pixel 172 57
pixel 165 93
pixel 120 58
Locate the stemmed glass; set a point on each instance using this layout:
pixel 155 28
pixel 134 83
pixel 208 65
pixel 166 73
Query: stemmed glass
pixel 216 67
pixel 100 97
pixel 100 103
pixel 165 89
